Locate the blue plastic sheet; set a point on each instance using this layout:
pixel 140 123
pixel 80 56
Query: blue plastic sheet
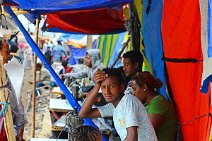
pixel 152 39
pixel 76 53
pixel 56 5
pixel 39 7
pixel 116 50
pixel 65 37
pixel 209 28
pixel 205 86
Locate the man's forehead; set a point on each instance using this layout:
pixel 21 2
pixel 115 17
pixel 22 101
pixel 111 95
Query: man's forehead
pixel 110 80
pixel 87 56
pixel 126 60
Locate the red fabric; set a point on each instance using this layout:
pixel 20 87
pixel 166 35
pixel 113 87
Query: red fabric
pixel 182 39
pixel 3 136
pixel 98 21
pixel 68 69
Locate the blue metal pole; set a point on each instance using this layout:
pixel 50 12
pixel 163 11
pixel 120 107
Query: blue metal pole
pixel 35 48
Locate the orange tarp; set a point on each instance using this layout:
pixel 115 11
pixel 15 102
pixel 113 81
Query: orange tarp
pixel 182 40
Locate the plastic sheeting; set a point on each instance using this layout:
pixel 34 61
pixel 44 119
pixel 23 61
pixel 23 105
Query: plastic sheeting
pixel 76 53
pixel 77 45
pixel 13 68
pixel 57 5
pixel 152 40
pixel 116 50
pixel 210 28
pixel 99 21
pixel 39 7
pixel 206 38
pixel 181 40
pixel 109 46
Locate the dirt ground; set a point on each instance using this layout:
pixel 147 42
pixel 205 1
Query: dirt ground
pixel 42 119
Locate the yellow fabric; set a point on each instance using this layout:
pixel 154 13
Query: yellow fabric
pixel 76 45
pixel 15 10
pixel 138 6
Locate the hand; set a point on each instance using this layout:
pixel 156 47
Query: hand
pixel 20 134
pixel 62 76
pixel 99 76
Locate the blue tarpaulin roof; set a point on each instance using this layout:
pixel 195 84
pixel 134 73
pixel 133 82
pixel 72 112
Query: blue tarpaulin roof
pixel 40 7
pixel 58 5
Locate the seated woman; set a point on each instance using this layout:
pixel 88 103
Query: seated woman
pixel 160 111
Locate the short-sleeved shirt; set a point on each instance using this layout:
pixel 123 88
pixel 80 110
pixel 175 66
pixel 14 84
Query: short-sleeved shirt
pixel 130 112
pixel 159 105
pixel 58 52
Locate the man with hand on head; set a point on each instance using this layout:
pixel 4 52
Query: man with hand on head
pixel 129 115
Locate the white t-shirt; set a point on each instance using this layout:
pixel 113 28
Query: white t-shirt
pixel 130 112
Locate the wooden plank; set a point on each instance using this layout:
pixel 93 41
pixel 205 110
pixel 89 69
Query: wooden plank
pixel 8 121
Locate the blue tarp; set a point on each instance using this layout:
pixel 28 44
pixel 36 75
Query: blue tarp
pixel 64 37
pixel 205 86
pixel 39 7
pixel 76 53
pixel 57 5
pixel 153 41
pixel 209 28
pixel 116 50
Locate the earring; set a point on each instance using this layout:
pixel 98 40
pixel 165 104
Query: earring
pixel 144 89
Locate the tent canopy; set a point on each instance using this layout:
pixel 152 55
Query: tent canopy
pixel 55 5
pixel 69 15
pixel 98 21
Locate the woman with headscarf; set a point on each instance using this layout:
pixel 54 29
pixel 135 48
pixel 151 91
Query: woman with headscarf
pixel 93 63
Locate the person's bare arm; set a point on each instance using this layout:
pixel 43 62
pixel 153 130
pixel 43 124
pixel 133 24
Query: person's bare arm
pixel 156 120
pixel 132 134
pixel 86 110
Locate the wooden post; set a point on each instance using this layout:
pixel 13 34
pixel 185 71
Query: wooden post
pixel 89 42
pixel 8 121
pixel 122 49
pixel 135 30
pixel 34 82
